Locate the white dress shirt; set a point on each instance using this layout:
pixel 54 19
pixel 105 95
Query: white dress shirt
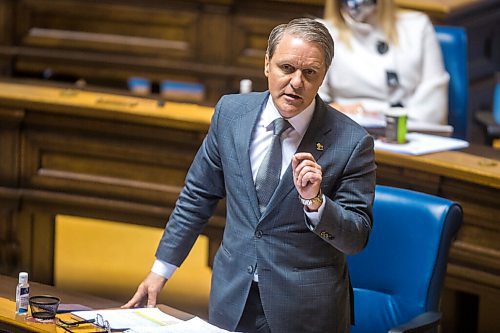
pixel 261 140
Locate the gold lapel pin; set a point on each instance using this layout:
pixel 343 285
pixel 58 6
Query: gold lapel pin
pixel 319 147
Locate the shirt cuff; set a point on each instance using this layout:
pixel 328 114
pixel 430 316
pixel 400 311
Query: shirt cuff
pixel 315 217
pixel 163 268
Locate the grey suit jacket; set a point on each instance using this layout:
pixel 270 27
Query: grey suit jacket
pixel 303 276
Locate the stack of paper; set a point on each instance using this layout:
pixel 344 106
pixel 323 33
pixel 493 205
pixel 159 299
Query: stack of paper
pixel 149 320
pixel 195 325
pixel 419 144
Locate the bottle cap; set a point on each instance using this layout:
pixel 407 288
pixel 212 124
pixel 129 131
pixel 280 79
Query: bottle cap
pixel 23 277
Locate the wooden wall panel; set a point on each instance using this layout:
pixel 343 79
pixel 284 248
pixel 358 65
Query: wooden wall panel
pixel 110 27
pixel 9 241
pixel 9 145
pixel 74 156
pixel 250 36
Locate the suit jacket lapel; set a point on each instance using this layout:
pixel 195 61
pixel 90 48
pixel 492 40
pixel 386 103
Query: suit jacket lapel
pixel 315 141
pixel 243 137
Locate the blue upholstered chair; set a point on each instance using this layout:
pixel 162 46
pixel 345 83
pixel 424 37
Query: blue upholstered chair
pixel 398 277
pixel 453 41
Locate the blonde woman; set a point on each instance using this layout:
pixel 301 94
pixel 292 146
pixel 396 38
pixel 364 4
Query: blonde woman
pixel 384 56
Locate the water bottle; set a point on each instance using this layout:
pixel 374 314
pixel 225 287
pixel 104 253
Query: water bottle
pixel 22 294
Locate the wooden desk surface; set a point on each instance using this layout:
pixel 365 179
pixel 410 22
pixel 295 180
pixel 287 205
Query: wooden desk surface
pixel 437 6
pixel 107 106
pixel 7 305
pixel 8 290
pixel 485 171
pixel 453 164
pixel 146 112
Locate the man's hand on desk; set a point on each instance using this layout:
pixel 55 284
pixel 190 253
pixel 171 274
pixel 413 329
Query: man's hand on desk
pixel 147 292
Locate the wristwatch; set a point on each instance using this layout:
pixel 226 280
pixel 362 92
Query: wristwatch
pixel 317 199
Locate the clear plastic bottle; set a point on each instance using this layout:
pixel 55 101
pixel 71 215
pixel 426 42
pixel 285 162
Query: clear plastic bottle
pixel 22 294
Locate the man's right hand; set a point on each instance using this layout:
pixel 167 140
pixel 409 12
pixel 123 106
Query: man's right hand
pixel 147 292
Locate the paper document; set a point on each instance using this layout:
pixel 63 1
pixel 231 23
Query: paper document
pixel 130 318
pixel 195 325
pixel 419 144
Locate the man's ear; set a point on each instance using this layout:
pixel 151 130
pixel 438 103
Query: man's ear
pixel 266 66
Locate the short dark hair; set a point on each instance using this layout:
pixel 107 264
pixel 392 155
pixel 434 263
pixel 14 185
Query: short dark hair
pixel 309 30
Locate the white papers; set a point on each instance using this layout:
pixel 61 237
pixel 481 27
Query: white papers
pixel 129 318
pixel 419 144
pixel 150 320
pixel 195 325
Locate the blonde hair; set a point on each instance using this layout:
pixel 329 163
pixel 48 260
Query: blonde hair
pixel 386 19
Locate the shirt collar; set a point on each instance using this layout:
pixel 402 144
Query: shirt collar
pixel 300 122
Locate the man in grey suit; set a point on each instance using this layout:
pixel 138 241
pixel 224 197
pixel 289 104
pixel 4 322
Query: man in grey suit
pixel 281 266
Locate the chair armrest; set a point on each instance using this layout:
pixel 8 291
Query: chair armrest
pixel 486 119
pixel 420 323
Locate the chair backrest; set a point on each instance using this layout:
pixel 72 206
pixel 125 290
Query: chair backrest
pixel 453 41
pixel 496 101
pixel 400 273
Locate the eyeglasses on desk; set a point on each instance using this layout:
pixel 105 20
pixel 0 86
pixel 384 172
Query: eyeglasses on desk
pixel 96 325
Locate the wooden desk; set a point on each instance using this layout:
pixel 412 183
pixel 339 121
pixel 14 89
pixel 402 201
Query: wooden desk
pixel 87 154
pixel 124 159
pixel 12 323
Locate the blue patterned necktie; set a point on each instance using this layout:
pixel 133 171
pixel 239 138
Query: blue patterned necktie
pixel 268 176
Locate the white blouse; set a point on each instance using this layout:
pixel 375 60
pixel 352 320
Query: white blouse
pixel 359 73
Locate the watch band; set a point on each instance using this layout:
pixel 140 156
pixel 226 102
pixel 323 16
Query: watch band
pixel 317 199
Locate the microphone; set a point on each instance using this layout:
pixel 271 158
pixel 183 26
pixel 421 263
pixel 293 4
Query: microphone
pixel 392 79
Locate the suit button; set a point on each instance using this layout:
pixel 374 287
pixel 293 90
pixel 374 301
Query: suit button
pixel 250 269
pixel 326 235
pixel 258 233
